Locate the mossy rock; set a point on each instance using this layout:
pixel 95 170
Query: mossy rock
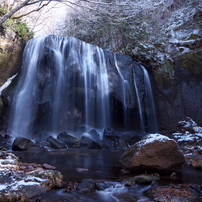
pixel 141 179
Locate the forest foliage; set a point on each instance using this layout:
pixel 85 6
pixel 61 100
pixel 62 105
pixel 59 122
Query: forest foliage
pixel 16 25
pixel 126 26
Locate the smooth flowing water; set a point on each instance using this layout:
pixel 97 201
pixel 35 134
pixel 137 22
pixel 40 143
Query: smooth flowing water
pixel 125 93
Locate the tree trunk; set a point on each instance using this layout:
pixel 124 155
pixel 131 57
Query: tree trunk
pixel 14 10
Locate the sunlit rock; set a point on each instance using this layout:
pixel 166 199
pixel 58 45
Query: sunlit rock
pixel 153 152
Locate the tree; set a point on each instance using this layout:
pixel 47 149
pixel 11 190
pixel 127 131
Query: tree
pixel 41 4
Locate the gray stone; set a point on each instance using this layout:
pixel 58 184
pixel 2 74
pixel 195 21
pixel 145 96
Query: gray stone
pixel 55 144
pixel 21 143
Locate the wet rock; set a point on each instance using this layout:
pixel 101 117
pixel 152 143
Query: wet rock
pixel 153 152
pixel 69 140
pixel 21 143
pixel 82 170
pixel 120 139
pixel 109 134
pixel 175 193
pixel 95 135
pixel 88 185
pixel 141 179
pixel 110 138
pixel 48 167
pixel 107 184
pixel 36 149
pixel 102 144
pixel 55 144
pixel 129 137
pixel 86 142
pixel 5 140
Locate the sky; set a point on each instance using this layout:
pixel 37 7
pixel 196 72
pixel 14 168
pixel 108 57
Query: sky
pixel 46 21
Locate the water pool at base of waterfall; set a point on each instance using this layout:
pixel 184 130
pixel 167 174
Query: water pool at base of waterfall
pixel 101 166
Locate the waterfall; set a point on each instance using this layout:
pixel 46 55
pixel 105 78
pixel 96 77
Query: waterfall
pixel 125 92
pixel 23 101
pixel 66 83
pixel 142 123
pixel 149 103
pixel 146 107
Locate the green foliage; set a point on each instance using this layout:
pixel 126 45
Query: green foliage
pixel 23 31
pixel 19 27
pixel 3 11
pixel 9 23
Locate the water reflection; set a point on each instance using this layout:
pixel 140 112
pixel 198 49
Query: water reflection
pixel 101 164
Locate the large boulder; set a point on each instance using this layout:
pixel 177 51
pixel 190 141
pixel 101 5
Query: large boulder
pixel 153 152
pixel 88 143
pixel 69 140
pixel 21 143
pixel 55 144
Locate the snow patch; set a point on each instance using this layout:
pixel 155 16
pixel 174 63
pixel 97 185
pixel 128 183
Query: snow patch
pixel 7 83
pixel 17 184
pixel 155 137
pixel 187 138
pixel 2 187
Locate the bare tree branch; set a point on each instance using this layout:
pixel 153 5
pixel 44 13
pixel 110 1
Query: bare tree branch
pixel 31 2
pixel 14 10
pixel 35 10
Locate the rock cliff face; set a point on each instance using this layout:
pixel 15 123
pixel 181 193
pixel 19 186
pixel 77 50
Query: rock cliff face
pixel 10 55
pixel 180 94
pixel 175 57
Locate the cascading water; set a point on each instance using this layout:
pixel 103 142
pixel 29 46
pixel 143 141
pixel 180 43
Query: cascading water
pixel 66 83
pixel 147 113
pixel 125 93
pixel 149 104
pixel 23 102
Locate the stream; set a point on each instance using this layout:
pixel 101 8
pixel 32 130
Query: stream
pixel 102 166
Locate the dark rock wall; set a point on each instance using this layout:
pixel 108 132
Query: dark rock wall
pixel 179 98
